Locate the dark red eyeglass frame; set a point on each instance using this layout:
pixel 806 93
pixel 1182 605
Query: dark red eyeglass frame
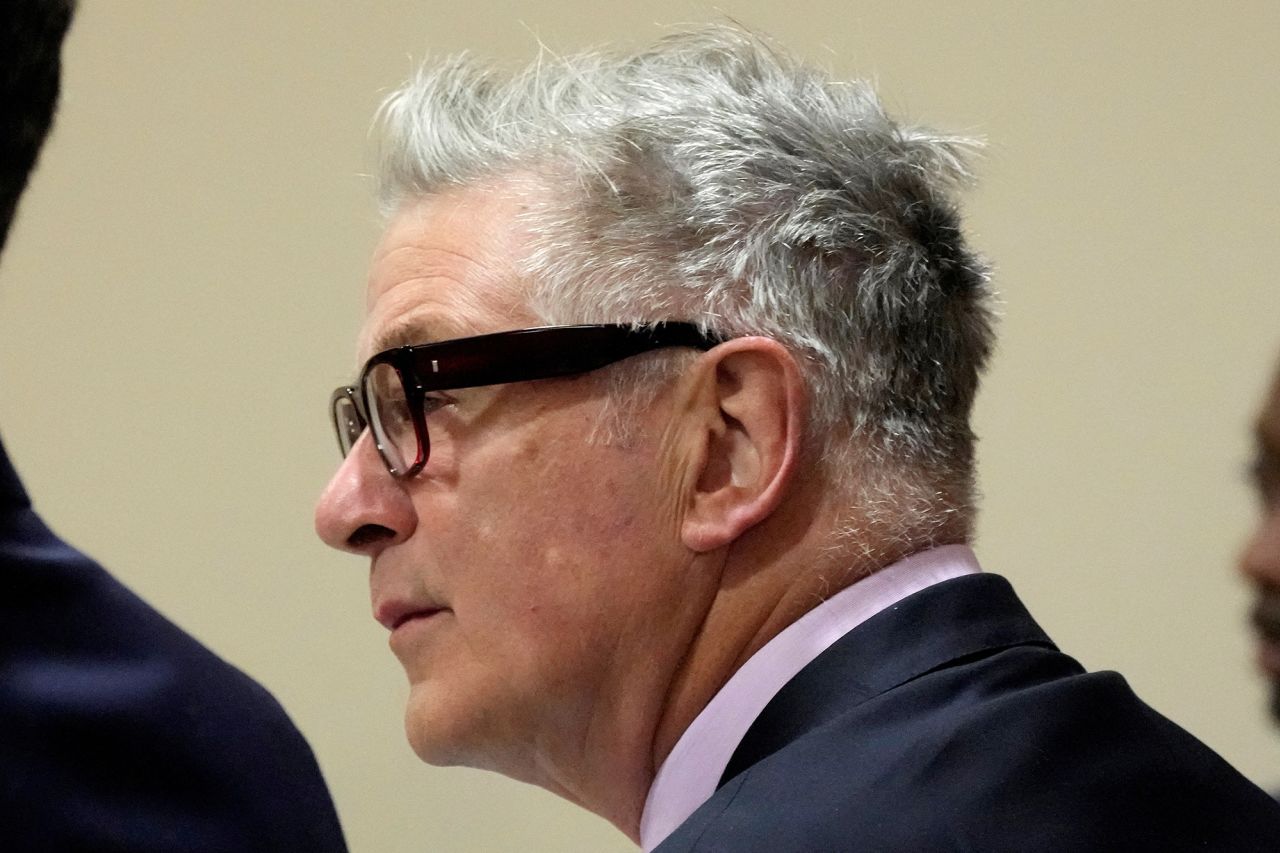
pixel 521 355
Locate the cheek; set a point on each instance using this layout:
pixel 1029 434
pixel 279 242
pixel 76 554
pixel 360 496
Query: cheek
pixel 568 494
pixel 555 578
pixel 544 541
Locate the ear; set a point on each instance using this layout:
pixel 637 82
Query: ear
pixel 750 402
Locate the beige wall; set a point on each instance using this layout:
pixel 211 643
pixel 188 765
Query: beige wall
pixel 181 293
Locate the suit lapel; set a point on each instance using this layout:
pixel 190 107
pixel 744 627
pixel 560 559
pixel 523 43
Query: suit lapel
pixel 965 616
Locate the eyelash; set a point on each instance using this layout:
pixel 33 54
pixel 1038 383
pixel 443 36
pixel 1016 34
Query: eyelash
pixel 433 401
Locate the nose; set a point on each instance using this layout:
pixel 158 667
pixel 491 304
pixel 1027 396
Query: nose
pixel 1260 560
pixel 364 510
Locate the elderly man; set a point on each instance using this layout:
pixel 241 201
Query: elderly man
pixel 118 731
pixel 1260 560
pixel 661 456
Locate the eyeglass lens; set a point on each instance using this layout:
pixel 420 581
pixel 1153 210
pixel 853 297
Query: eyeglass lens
pixel 348 421
pixel 390 418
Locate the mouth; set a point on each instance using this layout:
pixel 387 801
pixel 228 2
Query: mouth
pixel 394 615
pixel 412 632
pixel 413 616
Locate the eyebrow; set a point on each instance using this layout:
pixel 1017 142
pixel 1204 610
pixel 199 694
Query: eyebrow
pixel 406 331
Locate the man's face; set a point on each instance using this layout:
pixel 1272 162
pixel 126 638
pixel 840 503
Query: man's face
pixel 534 581
pixel 1261 558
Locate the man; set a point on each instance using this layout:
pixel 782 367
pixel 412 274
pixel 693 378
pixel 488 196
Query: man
pixel 119 731
pixel 1260 561
pixel 690 550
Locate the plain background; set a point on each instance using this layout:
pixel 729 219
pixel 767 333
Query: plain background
pixel 183 287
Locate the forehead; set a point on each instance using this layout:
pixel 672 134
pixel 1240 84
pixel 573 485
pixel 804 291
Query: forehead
pixel 447 266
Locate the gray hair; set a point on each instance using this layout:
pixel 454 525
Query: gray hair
pixel 713 178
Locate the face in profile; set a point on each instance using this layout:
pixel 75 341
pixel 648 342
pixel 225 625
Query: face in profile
pixel 1260 561
pixel 528 576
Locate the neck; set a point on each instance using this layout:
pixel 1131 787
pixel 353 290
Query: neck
pixel 738 599
pixel 770 578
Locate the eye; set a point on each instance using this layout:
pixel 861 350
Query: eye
pixel 393 413
pixel 433 401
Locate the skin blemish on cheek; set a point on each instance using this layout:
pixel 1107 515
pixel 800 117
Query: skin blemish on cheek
pixel 528 450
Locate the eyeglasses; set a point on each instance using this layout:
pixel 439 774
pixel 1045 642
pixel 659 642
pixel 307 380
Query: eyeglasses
pixel 391 394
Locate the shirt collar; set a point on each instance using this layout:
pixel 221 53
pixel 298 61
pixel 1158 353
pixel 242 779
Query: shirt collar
pixel 689 775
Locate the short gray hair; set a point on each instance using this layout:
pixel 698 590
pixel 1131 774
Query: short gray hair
pixel 713 178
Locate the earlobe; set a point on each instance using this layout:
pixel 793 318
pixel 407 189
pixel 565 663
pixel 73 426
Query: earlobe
pixel 753 403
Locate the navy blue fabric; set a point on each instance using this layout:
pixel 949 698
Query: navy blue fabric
pixel 950 722
pixel 119 732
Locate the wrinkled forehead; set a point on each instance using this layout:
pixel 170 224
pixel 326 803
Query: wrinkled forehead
pixel 447 266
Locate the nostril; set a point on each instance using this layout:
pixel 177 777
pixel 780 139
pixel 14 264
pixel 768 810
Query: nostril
pixel 369 534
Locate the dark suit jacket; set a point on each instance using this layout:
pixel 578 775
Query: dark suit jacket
pixel 119 732
pixel 950 722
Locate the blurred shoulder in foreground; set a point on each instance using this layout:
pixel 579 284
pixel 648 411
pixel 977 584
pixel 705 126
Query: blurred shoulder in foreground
pixel 121 732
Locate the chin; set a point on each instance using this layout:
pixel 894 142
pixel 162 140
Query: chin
pixel 447 734
pixel 431 730
pixel 425 747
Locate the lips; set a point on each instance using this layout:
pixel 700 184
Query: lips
pixel 392 614
pixel 409 617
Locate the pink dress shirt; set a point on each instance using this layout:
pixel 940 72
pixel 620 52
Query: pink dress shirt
pixel 690 773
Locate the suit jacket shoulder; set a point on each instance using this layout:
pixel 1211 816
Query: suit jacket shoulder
pixel 120 732
pixel 950 722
